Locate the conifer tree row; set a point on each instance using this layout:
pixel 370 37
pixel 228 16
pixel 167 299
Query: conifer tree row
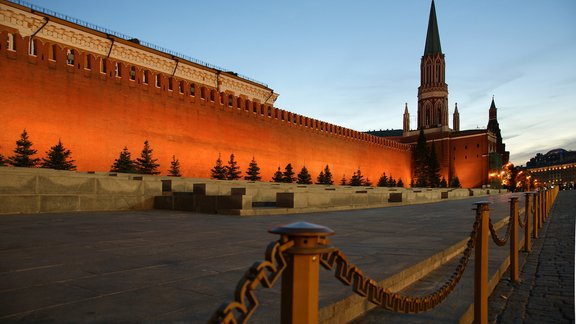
pixel 58 158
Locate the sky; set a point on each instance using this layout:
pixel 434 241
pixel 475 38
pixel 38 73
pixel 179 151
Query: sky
pixel 357 63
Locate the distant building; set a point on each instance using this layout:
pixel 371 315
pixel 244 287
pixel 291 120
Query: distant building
pixel 557 167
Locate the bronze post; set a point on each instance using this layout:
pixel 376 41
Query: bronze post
pixel 527 229
pixel 536 212
pixel 514 239
pixel 481 265
pixel 301 277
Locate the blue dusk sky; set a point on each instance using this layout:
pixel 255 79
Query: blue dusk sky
pixel 356 63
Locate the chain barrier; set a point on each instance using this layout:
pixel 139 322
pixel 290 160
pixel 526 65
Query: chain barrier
pixel 263 272
pixel 349 274
pixel 499 241
pixel 520 223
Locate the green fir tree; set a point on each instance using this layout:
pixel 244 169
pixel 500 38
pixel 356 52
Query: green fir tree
pixel 400 183
pixel 328 176
pixel 218 171
pixel 421 161
pixel 383 181
pixel 278 176
pixel 23 153
pixel 304 176
pixel 343 180
pixel 455 183
pixel 58 158
pixel 288 174
pixel 321 178
pixel 391 182
pixel 443 183
pixel 367 182
pixel 232 169
pixel 3 161
pixel 174 170
pixel 253 172
pixel 145 164
pixel 124 163
pixel 433 169
pixel 357 179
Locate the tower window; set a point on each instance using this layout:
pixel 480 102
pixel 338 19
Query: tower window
pixel 70 57
pixel 88 62
pixel 181 87
pixel 157 80
pixel 202 93
pixel 118 70
pixel 145 77
pixel 33 49
pixel 170 84
pixel 52 53
pixel 192 89
pixel 230 99
pixel 132 73
pixel 10 42
pixel 103 66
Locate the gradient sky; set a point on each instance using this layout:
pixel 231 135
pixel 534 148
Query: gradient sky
pixel 356 63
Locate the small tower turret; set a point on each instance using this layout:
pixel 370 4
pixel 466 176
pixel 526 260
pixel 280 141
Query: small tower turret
pixel 406 124
pixel 456 118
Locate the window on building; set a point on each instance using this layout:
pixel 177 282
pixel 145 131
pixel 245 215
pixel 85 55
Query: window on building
pixel 88 62
pixel 230 99
pixel 247 105
pixel 192 89
pixel 145 77
pixel 181 87
pixel 157 80
pixel 70 57
pixel 202 93
pixel 132 73
pixel 118 70
pixel 33 50
pixel 211 95
pixel 52 52
pixel 103 66
pixel 10 42
pixel 170 81
pixel 238 102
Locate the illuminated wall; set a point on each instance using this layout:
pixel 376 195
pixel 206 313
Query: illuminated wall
pixel 97 103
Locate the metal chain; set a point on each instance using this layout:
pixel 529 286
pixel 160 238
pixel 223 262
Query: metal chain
pixel 263 272
pixel 499 241
pixel 349 274
pixel 520 223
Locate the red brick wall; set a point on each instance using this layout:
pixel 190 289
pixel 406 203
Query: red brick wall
pixel 96 115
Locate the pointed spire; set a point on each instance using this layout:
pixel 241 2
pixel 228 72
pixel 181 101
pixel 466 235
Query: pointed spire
pixel 492 105
pixel 406 108
pixel 492 113
pixel 433 36
pixel 456 118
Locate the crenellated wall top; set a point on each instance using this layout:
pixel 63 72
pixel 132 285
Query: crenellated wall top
pixel 71 35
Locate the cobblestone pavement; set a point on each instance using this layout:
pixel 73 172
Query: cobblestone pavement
pixel 545 293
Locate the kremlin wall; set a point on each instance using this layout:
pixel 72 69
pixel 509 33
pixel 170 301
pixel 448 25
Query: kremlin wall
pixel 99 91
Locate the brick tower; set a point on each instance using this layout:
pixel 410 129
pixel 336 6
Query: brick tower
pixel 433 90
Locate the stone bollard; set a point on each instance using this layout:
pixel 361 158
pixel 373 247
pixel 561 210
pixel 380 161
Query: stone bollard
pixel 481 264
pixel 535 216
pixel 301 278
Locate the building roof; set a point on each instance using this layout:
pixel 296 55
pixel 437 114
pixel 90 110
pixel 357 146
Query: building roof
pixel 433 36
